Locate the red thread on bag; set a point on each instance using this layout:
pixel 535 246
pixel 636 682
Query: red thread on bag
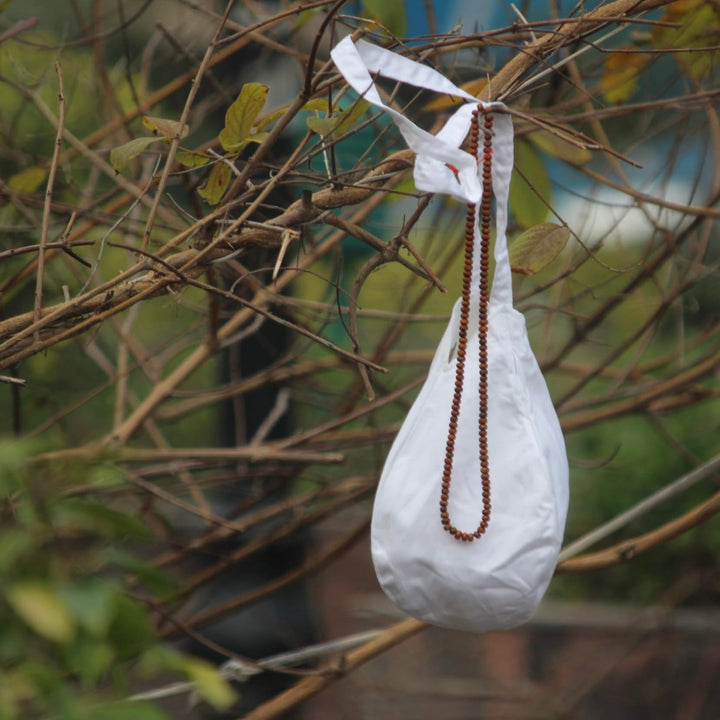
pixel 485 225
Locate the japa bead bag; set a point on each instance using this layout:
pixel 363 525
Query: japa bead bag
pixel 470 509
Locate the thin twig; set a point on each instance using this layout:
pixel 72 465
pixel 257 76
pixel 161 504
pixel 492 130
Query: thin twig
pixel 48 198
pixel 310 686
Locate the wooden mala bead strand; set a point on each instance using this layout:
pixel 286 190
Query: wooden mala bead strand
pixel 461 352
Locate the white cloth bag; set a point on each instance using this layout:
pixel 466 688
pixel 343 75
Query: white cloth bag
pixel 498 580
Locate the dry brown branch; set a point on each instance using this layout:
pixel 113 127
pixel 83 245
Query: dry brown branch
pixel 564 34
pixel 344 665
pixel 101 303
pixel 309 567
pixel 628 549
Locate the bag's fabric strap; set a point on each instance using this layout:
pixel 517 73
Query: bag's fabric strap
pixel 441 166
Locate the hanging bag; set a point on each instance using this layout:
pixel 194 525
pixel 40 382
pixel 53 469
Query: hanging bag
pixel 470 509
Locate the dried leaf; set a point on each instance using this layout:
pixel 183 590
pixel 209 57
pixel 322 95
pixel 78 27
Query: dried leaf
pixel 241 116
pixel 537 247
pixel 122 155
pixel 529 204
pixel 166 129
pixel 473 87
pixel 677 11
pixel 216 184
pixel 620 75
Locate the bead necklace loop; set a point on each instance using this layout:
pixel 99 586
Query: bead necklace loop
pixel 485 224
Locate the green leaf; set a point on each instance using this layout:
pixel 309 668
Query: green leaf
pixel 159 659
pixel 27 181
pixel 122 155
pixel 81 514
pixel 14 457
pixel 92 604
pixel 165 129
pixel 131 631
pixel 305 17
pixel 406 186
pixel 16 688
pixel 150 577
pixel 103 476
pixel 127 710
pixel 42 609
pixel 389 13
pixel 90 659
pixel 527 207
pixel 15 545
pixel 210 684
pixel 537 247
pixel 241 115
pixel 339 124
pixel 192 159
pixel 216 184
pixel 554 144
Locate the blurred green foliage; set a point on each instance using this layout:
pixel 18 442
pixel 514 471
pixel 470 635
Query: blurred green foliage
pixel 75 640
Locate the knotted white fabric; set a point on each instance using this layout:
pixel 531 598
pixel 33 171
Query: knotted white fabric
pixel 498 580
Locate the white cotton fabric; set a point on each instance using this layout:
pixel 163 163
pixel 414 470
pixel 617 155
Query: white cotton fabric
pixel 498 580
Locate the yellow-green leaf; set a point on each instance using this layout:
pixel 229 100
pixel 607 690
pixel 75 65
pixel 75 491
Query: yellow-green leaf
pixel 241 115
pixel 319 104
pixel 166 129
pixel 531 191
pixel 305 17
pixel 390 13
pixel 122 155
pixel 699 31
pixel 192 159
pixel 339 124
pixel 537 247
pixel 27 181
pixel 257 137
pixel 554 144
pixel 216 184
pixel 211 686
pixel 43 610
